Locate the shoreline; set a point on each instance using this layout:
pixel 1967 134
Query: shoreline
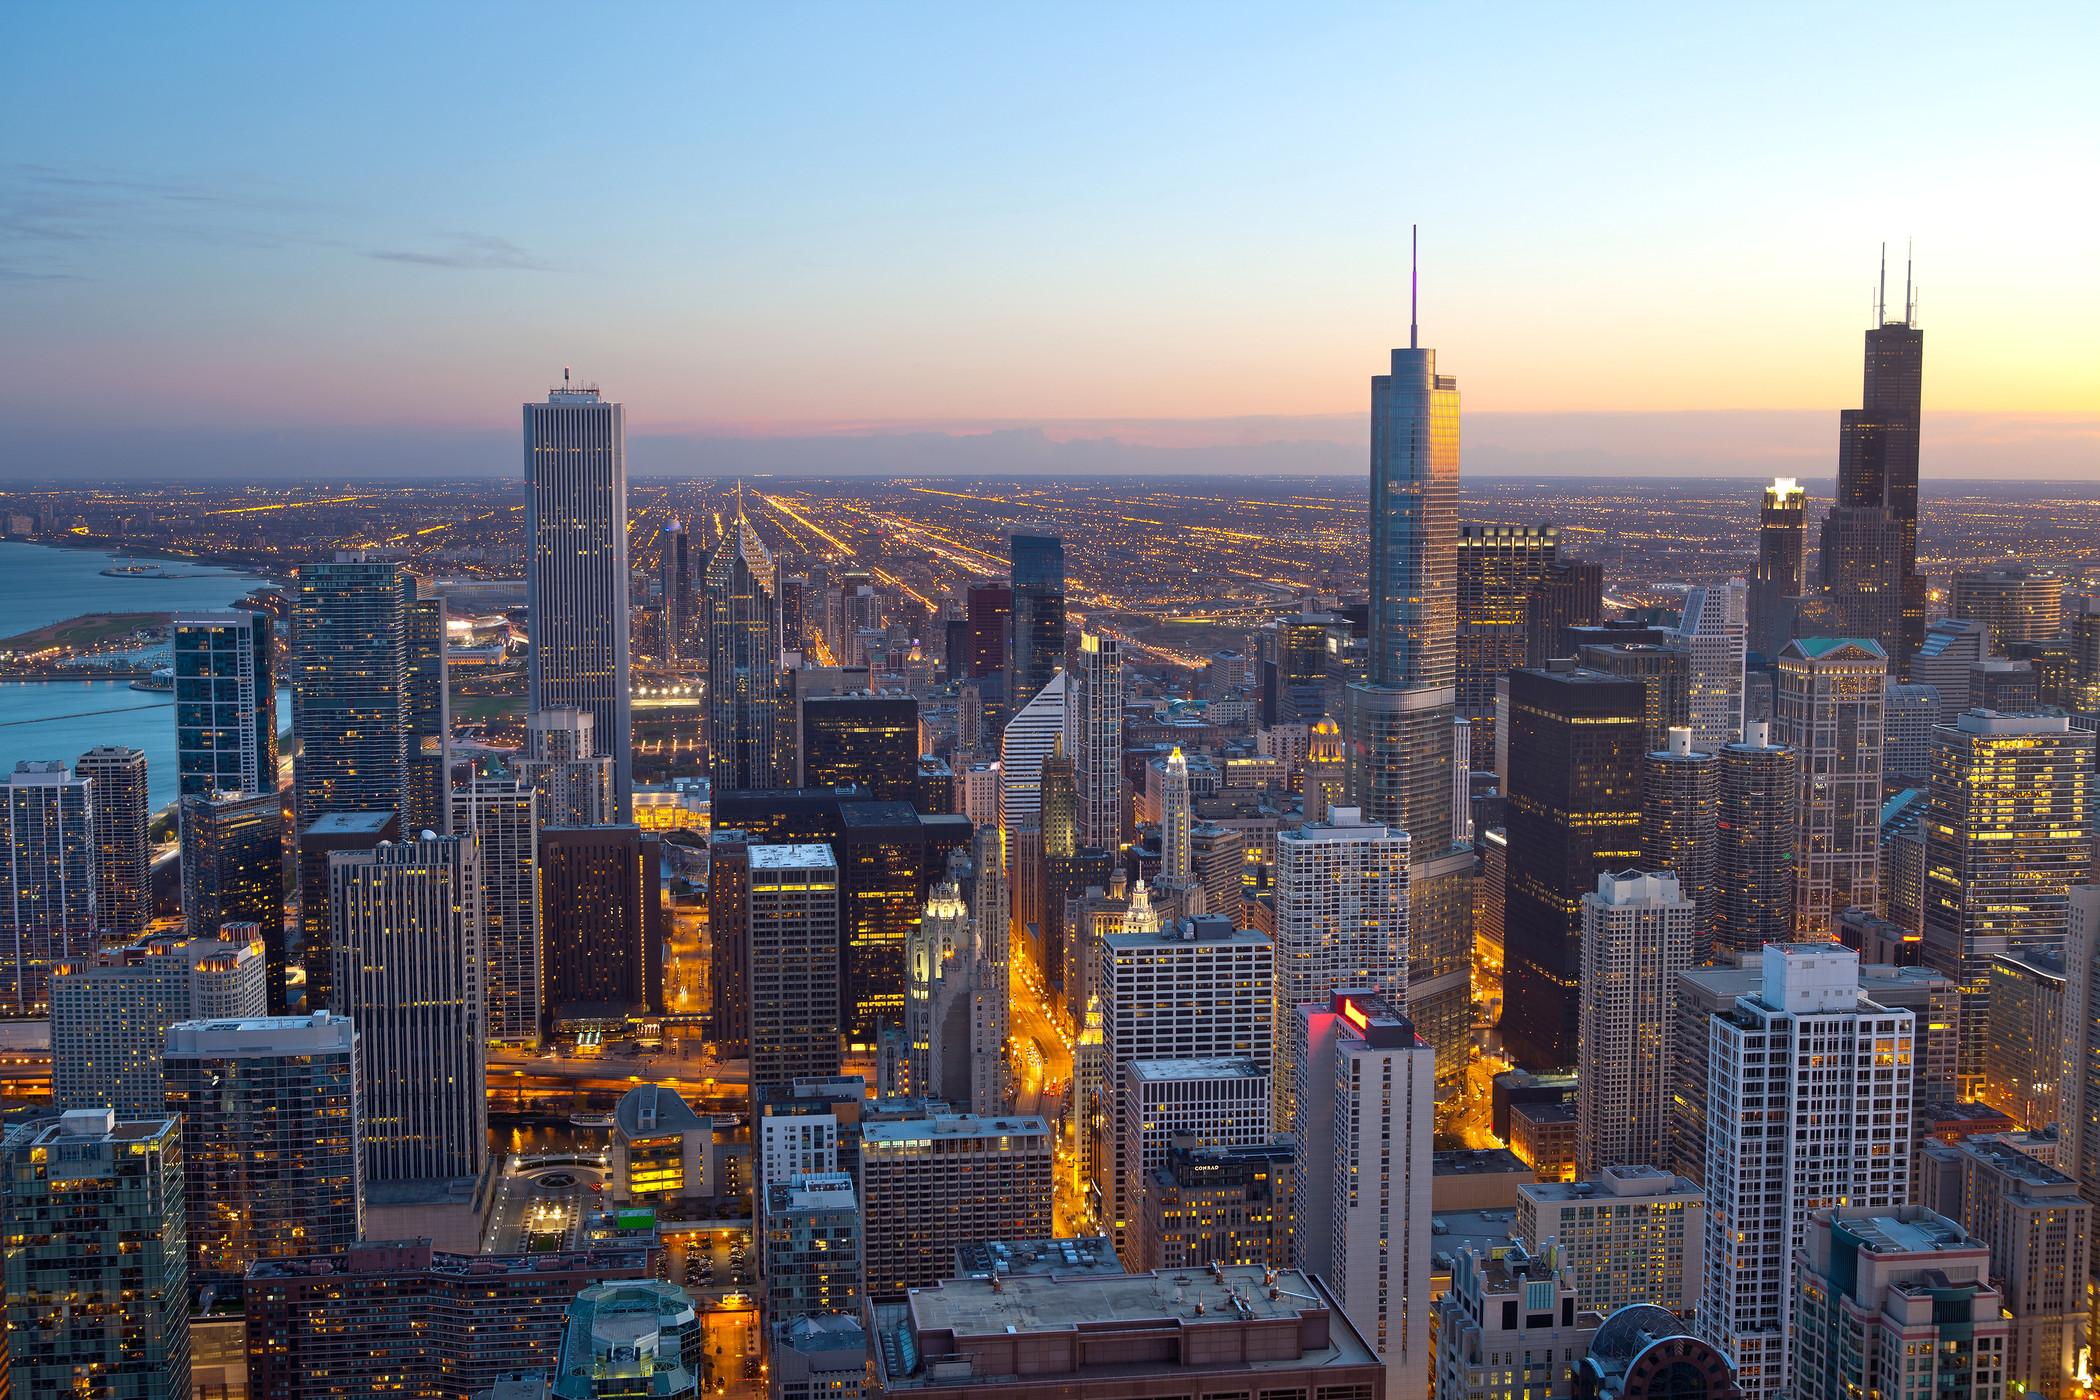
pixel 244 565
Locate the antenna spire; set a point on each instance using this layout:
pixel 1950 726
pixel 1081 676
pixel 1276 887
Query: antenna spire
pixel 1881 298
pixel 1909 306
pixel 1414 286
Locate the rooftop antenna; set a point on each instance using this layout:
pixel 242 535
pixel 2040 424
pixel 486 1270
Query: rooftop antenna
pixel 1909 306
pixel 1414 286
pixel 1881 298
pixel 564 376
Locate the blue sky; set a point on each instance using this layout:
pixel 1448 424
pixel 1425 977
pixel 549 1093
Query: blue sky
pixel 1132 221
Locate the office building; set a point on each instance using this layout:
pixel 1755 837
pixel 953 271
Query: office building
pixel 1783 1141
pixel 1244 1331
pixel 564 765
pixel 2023 1056
pixel 1095 738
pixel 639 1338
pixel 1176 861
pixel 602 922
pixel 1910 712
pixel 1828 707
pixel 271 1115
pixel 1571 596
pixel 96 1270
pixel 576 576
pixel 48 911
pixel 1509 1327
pixel 1365 1124
pixel 320 839
pixel 811 1260
pixel 818 1358
pixel 1292 665
pixel 1755 881
pixel 110 1013
pixel 1680 825
pixel 1038 580
pixel 225 703
pixel 1209 1102
pixel 2017 604
pixel 1499 566
pixel 432 1323
pixel 988 610
pixel 791 927
pixel 1028 739
pixel 2007 836
pixel 1629 1235
pixel 729 950
pixel 1638 933
pixel 743 661
pixel 2039 1231
pixel 2009 687
pixel 1217 1205
pixel 1781 578
pixel 232 857
pixel 426 707
pixel 888 860
pixel 861 739
pixel 1896 1300
pixel 930 1184
pixel 408 970
pixel 1663 669
pixel 503 815
pixel 122 812
pixel 661 1149
pixel 350 716
pixel 1341 921
pixel 2078 1106
pixel 1715 635
pixel 1574 812
pixel 1951 647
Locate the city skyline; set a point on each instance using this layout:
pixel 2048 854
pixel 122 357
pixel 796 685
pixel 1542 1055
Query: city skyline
pixel 1180 259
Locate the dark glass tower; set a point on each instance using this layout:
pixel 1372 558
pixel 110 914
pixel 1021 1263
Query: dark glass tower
pixel 1499 567
pixel 743 661
pixel 1038 614
pixel 864 740
pixel 350 706
pixel 1782 545
pixel 225 703
pixel 675 571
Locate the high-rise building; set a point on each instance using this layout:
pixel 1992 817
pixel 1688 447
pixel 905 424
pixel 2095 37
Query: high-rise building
pixel 889 858
pixel 576 579
pixel 1951 647
pixel 1177 816
pixel 225 703
pixel 502 815
pixel 1094 724
pixel 818 1358
pixel 1895 1300
pixel 811 1227
pixel 1715 633
pixel 1781 578
pixel 123 856
pixel 674 575
pixel 1638 933
pixel 642 1338
pixel 1208 1103
pixel 233 870
pixel 1755 882
pixel 2079 1101
pixel 1828 707
pixel 1641 1353
pixel 2016 603
pixel 110 1013
pixel 349 697
pixel 1510 1326
pixel 1038 579
pixel 1571 596
pixel 1341 921
pixel 988 611
pixel 729 949
pixel 1663 669
pixel 271 1115
pixel 1630 1235
pixel 930 1184
pixel 563 764
pixel 1574 812
pixel 319 840
pixel 48 912
pixel 1680 825
pixel 1499 567
pixel 1910 712
pixel 2007 837
pixel 1810 1106
pixel 96 1273
pixel 1365 1125
pixel 1027 740
pixel 791 929
pixel 1217 1205
pixel 408 971
pixel 427 707
pixel 861 739
pixel 602 922
pixel 660 1147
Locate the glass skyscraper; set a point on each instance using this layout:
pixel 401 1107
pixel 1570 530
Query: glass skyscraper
pixel 349 704
pixel 743 661
pixel 1039 613
pixel 225 703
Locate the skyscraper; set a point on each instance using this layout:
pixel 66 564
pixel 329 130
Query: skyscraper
pixel 791 925
pixel 1809 1105
pixel 2079 1102
pixel 271 1117
pixel 743 660
pixel 562 762
pixel 1680 826
pixel 1828 707
pixel 929 1184
pixel 1781 577
pixel 426 706
pixel 1028 739
pixel 861 739
pixel 349 697
pixel 630 1339
pixel 1177 816
pixel 233 872
pixel 1038 578
pixel 675 579
pixel 1499 566
pixel 319 842
pixel 1755 881
pixel 1715 632
pixel 1095 738
pixel 48 911
pixel 225 702
pixel 2007 837
pixel 97 1277
pixel 503 816
pixel 123 874
pixel 1574 811
pixel 602 926
pixel 110 1013
pixel 2017 603
pixel 1638 933
pixel 576 581
pixel 408 972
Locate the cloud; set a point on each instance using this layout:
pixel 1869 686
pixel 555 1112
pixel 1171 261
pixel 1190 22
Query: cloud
pixel 474 251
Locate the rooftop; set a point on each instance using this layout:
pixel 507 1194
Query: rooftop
pixel 1614 1183
pixel 804 857
pixel 1221 1067
pixel 820 1191
pixel 1905 1230
pixel 348 824
pixel 900 1131
pixel 262 1035
pixel 1091 1254
pixel 654 1108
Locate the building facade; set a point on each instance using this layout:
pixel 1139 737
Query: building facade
pixel 1828 708
pixel 1638 933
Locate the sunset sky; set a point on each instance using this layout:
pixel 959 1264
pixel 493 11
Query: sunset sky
pixel 1172 224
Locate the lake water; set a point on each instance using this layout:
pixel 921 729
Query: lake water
pixel 64 719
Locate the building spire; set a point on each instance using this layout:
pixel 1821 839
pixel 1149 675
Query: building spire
pixel 1909 307
pixel 1414 286
pixel 1881 298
